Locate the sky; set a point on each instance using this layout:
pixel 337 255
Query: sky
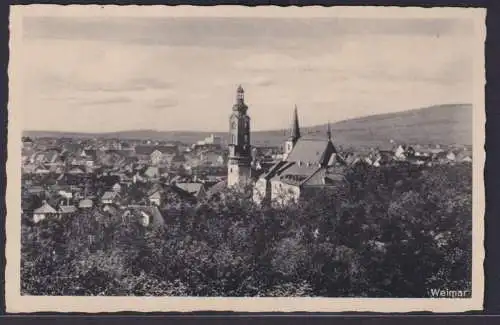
pixel 99 74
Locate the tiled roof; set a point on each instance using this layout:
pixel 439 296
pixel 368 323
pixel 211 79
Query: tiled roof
pixel 148 150
pixel 109 195
pixel 167 149
pixel 90 153
pixel 76 170
pixel 276 168
pixel 45 208
pixel 297 175
pixel 192 188
pixel 144 150
pixel 67 209
pixel 217 188
pixel 86 203
pixel 179 158
pixel 314 151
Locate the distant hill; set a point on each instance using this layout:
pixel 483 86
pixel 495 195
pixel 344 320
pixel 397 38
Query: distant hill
pixel 441 124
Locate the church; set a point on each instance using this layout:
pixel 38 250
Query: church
pixel 308 164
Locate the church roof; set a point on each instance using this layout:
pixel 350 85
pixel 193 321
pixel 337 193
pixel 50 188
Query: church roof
pixel 312 151
pixel 308 164
pixel 298 174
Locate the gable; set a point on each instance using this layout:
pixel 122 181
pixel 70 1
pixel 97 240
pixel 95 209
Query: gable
pixel 312 151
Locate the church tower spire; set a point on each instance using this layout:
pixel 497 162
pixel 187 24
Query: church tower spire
pixel 240 157
pixel 294 134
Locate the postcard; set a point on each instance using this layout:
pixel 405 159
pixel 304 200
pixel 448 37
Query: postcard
pixel 230 158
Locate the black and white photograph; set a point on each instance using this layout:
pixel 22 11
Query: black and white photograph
pixel 245 159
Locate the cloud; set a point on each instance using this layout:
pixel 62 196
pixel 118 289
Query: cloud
pixel 190 83
pixel 230 32
pixel 163 103
pixel 135 84
pixel 105 101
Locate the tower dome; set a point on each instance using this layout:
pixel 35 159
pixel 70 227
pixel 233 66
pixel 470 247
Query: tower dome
pixel 240 105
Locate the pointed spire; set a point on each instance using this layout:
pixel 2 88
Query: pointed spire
pixel 295 132
pixel 329 132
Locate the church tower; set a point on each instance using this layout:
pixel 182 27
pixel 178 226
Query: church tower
pixel 294 134
pixel 240 156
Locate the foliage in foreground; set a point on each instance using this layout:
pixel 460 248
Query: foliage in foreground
pixel 389 232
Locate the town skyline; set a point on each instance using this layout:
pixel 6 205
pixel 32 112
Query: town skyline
pixel 132 73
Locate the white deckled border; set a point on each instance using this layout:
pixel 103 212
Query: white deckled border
pixel 17 303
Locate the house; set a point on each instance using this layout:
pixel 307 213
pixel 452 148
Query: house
pixel 89 157
pixel 211 158
pixel 47 156
pixel 163 154
pixel 155 196
pixel 143 153
pixel 156 157
pixel 76 171
pixel 428 151
pixel 66 210
pixel 41 170
pixel 400 152
pixel 111 210
pixel 67 195
pixel 467 159
pixel 177 161
pixel 43 212
pixel 27 142
pixel 151 216
pixel 197 190
pixel 420 160
pixel 29 168
pixel 37 190
pixel 110 197
pixel 311 164
pixel 138 178
pixel 441 157
pixel 152 172
pixel 451 156
pixel 116 188
pixel 464 156
pixel 156 154
pixel 85 204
